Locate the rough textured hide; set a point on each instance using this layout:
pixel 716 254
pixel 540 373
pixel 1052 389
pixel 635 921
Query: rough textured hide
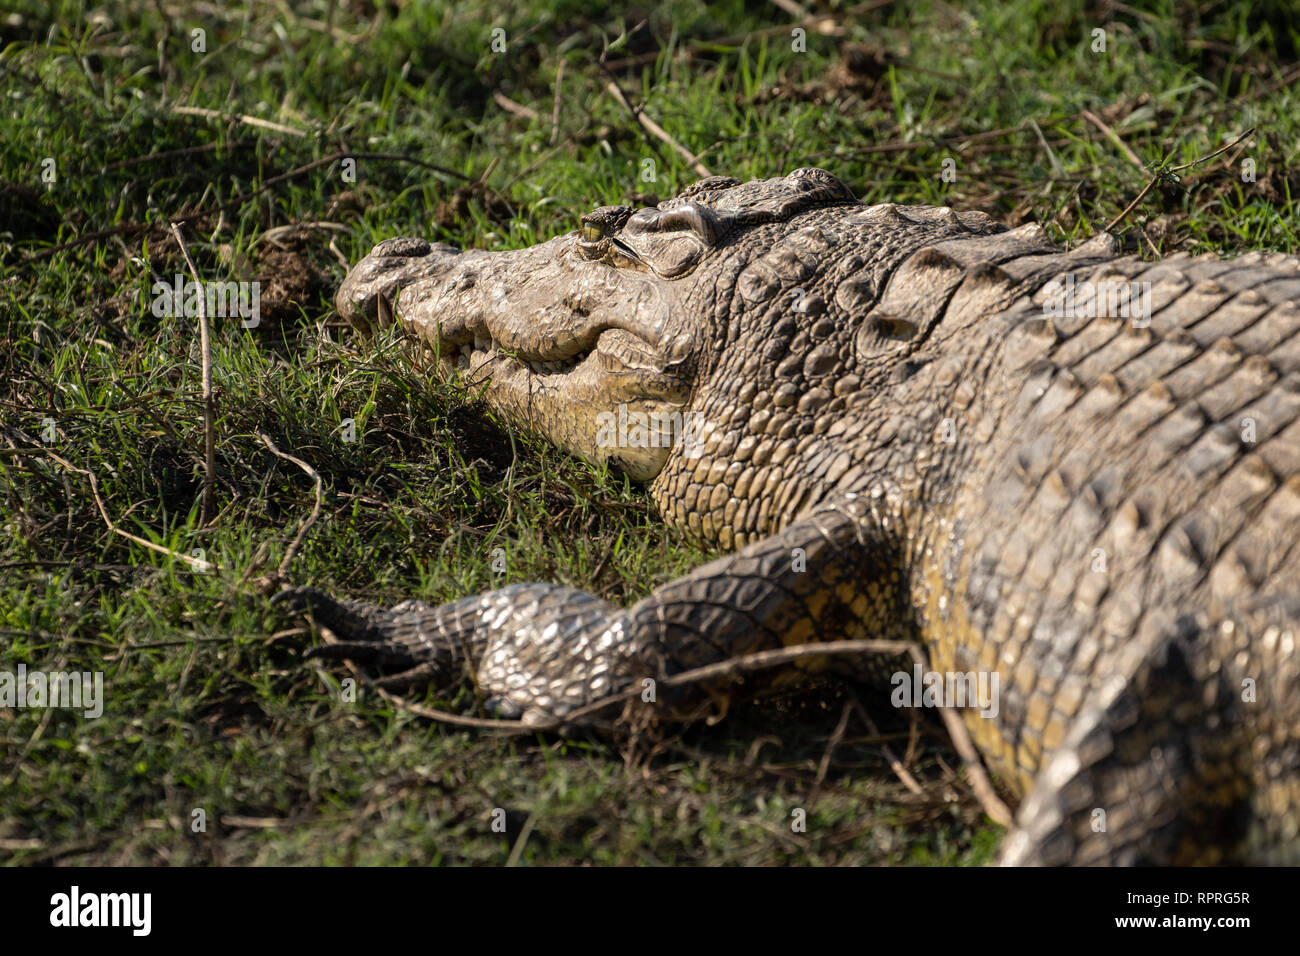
pixel 971 451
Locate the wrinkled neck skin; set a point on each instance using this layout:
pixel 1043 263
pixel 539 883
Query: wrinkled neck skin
pixel 821 378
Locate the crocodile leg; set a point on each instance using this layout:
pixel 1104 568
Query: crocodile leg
pixel 539 651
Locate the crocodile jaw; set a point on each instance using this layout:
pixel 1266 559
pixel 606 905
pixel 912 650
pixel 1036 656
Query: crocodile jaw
pixel 574 349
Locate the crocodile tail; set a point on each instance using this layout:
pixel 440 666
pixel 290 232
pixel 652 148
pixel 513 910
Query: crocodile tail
pixel 1111 795
pixel 1162 767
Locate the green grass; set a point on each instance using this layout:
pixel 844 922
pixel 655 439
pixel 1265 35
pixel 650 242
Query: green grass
pixel 209 705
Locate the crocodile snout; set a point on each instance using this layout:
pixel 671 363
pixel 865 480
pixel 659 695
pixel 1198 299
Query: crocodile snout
pixel 367 295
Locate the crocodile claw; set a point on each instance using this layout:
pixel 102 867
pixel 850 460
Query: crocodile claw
pixel 411 637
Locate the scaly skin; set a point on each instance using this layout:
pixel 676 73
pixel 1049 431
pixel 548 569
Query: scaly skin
pixel 1104 515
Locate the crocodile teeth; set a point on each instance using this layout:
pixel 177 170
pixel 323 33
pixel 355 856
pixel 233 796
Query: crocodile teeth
pixel 552 367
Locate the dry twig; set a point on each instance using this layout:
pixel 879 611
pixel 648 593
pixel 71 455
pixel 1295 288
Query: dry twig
pixel 1097 121
pixel 1164 171
pixel 209 402
pixel 238 118
pixel 761 660
pixel 898 766
pixel 312 473
pixel 510 106
pixel 654 129
pixel 197 563
pixel 555 110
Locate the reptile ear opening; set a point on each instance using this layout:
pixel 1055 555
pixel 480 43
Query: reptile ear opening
pixel 623 249
pixel 673 241
pixel 699 219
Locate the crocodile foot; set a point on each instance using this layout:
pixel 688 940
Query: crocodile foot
pixel 535 651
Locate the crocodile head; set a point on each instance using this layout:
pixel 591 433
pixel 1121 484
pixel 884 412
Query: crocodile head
pixel 666 339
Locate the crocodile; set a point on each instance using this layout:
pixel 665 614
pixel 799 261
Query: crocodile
pixel 1073 472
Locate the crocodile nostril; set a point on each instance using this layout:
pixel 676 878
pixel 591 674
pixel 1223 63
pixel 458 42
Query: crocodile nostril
pixel 403 246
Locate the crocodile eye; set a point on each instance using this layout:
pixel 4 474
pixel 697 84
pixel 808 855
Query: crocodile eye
pixel 592 232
